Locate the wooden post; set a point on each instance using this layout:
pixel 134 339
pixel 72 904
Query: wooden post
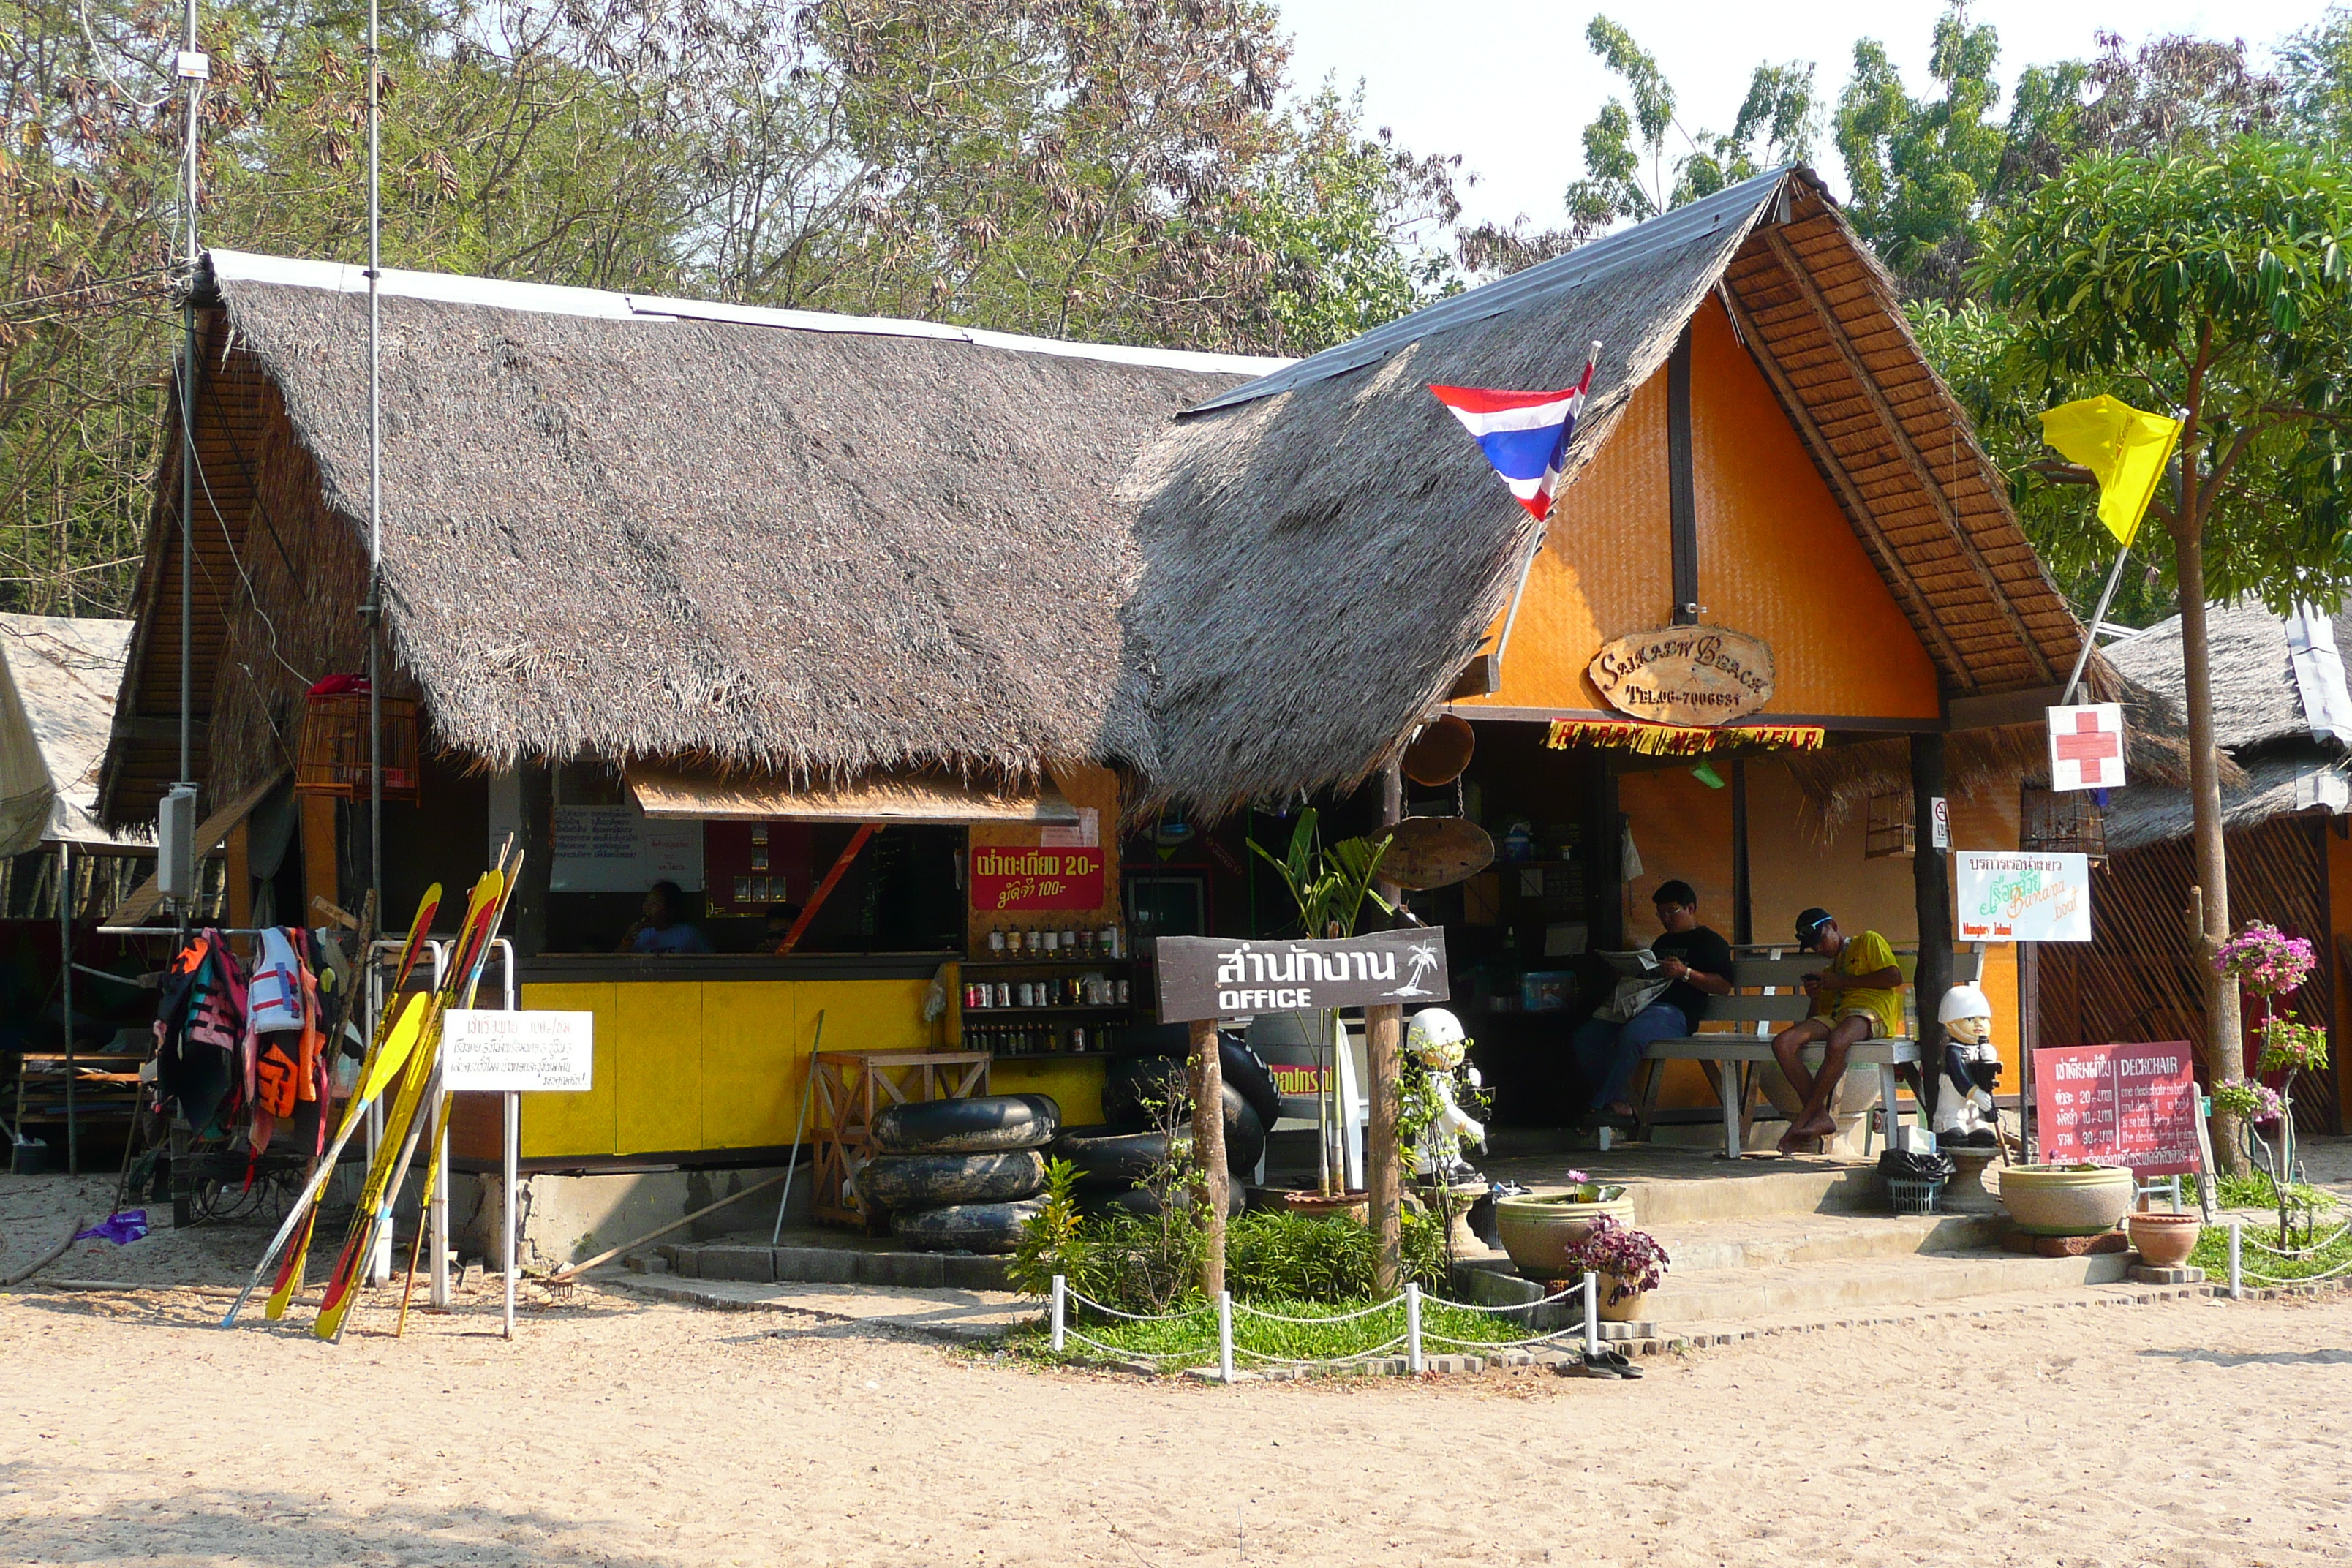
pixel 535 832
pixel 321 864
pixel 1208 1076
pixel 1384 1032
pixel 1931 887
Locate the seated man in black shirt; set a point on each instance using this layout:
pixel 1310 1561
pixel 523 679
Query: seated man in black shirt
pixel 1696 961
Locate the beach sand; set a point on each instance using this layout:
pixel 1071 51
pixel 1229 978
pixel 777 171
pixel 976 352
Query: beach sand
pixel 617 1431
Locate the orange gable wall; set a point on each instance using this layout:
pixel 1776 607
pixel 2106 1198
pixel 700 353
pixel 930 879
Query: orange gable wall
pixel 1776 557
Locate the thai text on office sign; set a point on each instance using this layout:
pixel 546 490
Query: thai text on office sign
pixel 1212 977
pixel 2005 896
pixel 1036 877
pixel 506 1052
pixel 1684 674
pixel 2118 1105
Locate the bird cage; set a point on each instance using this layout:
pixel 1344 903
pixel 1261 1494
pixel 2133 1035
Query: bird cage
pixel 333 757
pixel 1888 830
pixel 2061 822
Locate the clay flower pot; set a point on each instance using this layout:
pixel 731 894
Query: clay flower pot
pixel 1356 1205
pixel 2164 1240
pixel 1537 1228
pixel 2065 1200
pixel 1633 1309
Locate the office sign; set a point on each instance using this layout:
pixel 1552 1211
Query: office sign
pixel 2020 896
pixel 1215 977
pixel 2117 1105
pixel 506 1053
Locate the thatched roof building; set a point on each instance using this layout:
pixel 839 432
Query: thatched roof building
pixel 769 541
pixel 2280 711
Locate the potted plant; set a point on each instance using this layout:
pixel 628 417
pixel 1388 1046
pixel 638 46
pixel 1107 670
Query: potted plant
pixel 1628 1265
pixel 1540 1229
pixel 2066 1200
pixel 2164 1237
pixel 2267 964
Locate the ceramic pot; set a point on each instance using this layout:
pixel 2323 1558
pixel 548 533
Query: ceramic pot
pixel 1356 1205
pixel 1633 1309
pixel 2065 1200
pixel 1537 1228
pixel 2164 1240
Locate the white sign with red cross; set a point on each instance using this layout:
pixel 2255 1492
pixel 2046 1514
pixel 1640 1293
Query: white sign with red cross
pixel 2086 747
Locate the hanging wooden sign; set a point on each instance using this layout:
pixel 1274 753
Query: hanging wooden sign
pixel 1701 676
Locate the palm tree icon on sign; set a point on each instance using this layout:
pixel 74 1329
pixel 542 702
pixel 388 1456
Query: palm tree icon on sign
pixel 1423 957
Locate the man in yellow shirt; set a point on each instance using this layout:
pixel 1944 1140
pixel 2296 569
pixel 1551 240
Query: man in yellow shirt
pixel 1856 998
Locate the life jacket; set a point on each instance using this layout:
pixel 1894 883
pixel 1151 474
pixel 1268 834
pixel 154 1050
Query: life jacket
pixel 200 1027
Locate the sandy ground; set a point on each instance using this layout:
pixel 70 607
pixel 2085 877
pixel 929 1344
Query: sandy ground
pixel 619 1432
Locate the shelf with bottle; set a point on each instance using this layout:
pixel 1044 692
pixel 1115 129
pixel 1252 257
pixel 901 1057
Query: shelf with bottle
pixel 1026 1039
pixel 1090 990
pixel 1052 941
pixel 1049 965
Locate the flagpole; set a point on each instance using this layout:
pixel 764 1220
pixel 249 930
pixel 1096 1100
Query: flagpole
pixel 2091 633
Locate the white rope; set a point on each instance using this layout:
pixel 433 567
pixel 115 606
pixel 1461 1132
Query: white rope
pixel 1514 1307
pixel 1392 1302
pixel 1139 1317
pixel 1137 1355
pixel 1575 1329
pixel 2340 1270
pixel 2301 1251
pixel 1381 1350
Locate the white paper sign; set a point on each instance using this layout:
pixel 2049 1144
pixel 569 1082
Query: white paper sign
pixel 505 1052
pixel 2086 747
pixel 1939 823
pixel 620 849
pixel 2011 896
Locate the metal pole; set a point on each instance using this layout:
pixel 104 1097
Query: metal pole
pixel 1225 1336
pixel 375 462
pixel 1061 1312
pixel 1413 1358
pixel 1591 1318
pixel 2091 633
pixel 2237 1258
pixel 65 971
pixel 438 1277
pixel 509 1153
pixel 188 429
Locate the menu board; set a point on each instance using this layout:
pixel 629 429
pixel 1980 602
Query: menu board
pixel 620 849
pixel 2118 1105
pixel 1022 876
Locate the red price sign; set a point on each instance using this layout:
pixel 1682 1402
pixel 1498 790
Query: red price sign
pixel 1027 877
pixel 2127 1105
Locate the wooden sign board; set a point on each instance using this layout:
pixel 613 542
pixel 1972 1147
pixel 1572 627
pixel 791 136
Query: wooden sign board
pixel 2118 1105
pixel 1219 977
pixel 1701 676
pixel 1010 876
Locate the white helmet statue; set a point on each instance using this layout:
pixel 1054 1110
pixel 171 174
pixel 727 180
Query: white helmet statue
pixel 1436 1038
pixel 1963 1002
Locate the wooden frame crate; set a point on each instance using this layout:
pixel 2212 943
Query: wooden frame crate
pixel 853 1088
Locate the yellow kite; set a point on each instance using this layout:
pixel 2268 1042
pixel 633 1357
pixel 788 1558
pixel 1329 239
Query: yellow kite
pixel 2125 448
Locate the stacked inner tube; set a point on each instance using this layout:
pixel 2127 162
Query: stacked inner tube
pixel 1128 1144
pixel 960 1175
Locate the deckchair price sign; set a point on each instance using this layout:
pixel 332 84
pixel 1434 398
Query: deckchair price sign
pixel 1035 876
pixel 508 1053
pixel 1209 977
pixel 2117 1105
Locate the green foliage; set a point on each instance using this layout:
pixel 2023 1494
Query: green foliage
pixel 1273 1256
pixel 1775 125
pixel 1328 885
pixel 2214 285
pixel 1193 1339
pixel 1054 1241
pixel 1136 1265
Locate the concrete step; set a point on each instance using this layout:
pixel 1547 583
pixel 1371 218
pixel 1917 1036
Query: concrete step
pixel 1742 1293
pixel 825 1259
pixel 1783 1239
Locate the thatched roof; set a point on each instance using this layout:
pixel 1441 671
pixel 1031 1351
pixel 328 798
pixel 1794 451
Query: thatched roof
pixel 776 541
pixel 658 531
pixel 1319 544
pixel 2280 712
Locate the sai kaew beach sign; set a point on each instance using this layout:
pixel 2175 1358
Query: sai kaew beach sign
pixel 2020 896
pixel 1700 676
pixel 1212 977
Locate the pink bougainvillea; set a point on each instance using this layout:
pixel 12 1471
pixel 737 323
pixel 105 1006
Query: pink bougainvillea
pixel 2266 960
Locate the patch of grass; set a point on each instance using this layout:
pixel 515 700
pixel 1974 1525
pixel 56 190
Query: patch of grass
pixel 2212 1254
pixel 1192 1341
pixel 2254 1192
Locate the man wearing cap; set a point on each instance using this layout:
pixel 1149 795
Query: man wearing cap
pixel 1856 998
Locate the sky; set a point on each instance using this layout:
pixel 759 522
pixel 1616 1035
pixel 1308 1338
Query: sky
pixel 1509 84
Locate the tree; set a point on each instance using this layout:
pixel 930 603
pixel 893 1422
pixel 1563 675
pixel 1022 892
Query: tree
pixel 1630 173
pixel 2214 286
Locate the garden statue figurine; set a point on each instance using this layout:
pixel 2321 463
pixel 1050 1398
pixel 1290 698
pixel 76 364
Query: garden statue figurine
pixel 1436 1039
pixel 1965 1117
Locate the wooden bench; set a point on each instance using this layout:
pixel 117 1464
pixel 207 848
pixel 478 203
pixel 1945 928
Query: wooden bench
pixel 1767 997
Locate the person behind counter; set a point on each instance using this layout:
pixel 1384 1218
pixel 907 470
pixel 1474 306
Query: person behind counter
pixel 1698 964
pixel 663 929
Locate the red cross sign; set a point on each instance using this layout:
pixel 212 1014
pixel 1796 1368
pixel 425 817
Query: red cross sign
pixel 2086 747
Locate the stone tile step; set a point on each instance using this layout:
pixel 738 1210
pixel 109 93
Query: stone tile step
pixel 1677 1187
pixel 1772 1241
pixel 968 1316
pixel 834 1265
pixel 1737 1294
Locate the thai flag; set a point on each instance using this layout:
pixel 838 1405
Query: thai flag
pixel 1525 434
